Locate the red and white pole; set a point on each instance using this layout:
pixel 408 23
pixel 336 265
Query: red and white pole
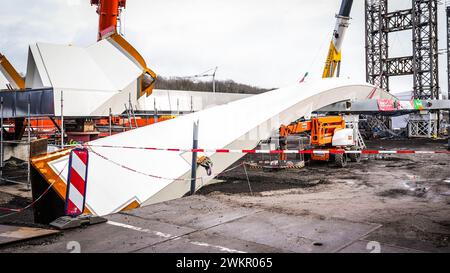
pixel 77 182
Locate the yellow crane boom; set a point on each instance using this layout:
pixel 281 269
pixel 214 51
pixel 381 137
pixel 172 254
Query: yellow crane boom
pixel 334 57
pixel 11 74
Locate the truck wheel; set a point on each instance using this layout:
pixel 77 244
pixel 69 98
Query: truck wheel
pixel 355 158
pixel 340 160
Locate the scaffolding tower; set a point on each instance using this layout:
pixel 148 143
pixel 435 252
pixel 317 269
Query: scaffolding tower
pixel 422 20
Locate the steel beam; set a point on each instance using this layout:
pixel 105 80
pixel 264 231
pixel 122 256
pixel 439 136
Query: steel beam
pixel 425 49
pixel 423 64
pixel 376 43
pixel 400 66
pixel 15 103
pixel 398 20
pixel 368 107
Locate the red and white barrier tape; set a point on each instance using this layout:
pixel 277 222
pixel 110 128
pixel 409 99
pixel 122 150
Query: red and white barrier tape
pixel 253 151
pixel 370 152
pixel 156 176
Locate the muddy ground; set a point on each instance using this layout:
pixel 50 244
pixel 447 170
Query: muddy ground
pixel 14 193
pixel 409 195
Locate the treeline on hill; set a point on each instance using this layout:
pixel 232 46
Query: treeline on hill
pixel 227 86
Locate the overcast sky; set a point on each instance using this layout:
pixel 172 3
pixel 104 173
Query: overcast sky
pixel 260 42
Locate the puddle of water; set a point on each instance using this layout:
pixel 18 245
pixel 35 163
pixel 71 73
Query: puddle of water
pixel 415 188
pixel 349 182
pixel 405 184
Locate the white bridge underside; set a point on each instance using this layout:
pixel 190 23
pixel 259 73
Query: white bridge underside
pixel 237 125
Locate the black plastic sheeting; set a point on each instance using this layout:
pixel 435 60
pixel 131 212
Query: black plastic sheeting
pixel 15 103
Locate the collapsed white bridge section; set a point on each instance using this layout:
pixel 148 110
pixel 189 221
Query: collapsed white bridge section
pixel 107 74
pixel 120 178
pixel 93 79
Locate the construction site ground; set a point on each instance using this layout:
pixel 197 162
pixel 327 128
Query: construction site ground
pixel 395 203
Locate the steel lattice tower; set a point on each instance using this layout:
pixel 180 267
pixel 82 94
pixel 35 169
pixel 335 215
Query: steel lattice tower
pixel 423 64
pixel 376 43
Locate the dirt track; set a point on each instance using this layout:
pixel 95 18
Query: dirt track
pixel 408 194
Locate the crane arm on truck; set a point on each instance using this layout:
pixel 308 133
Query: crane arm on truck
pixel 334 57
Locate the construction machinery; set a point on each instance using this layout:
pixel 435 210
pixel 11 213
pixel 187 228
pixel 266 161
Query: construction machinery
pixel 334 57
pixel 109 12
pixel 328 132
pixel 325 133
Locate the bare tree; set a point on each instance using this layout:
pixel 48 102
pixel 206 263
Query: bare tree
pixel 228 86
